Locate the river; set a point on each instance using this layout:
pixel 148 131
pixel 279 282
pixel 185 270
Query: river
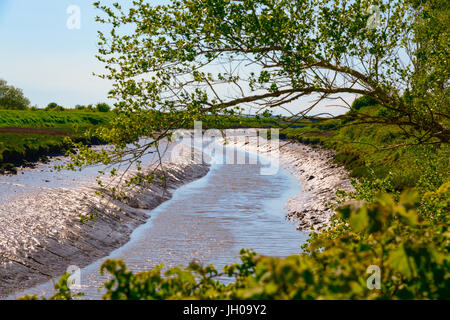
pixel 209 221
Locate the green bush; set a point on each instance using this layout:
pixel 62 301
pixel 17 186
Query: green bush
pixel 53 106
pixel 410 250
pixel 103 107
pixel 12 98
pixel 364 101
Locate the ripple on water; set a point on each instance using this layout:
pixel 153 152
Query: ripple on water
pixel 209 221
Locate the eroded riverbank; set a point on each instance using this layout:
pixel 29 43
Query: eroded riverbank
pixel 40 221
pixel 318 174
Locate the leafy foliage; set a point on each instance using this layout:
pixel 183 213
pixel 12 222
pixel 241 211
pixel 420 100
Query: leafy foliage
pixel 364 101
pixel 103 107
pixel 62 291
pixel 411 250
pixel 163 57
pixel 12 98
pixel 53 106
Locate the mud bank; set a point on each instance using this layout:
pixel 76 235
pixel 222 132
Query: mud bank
pixel 316 171
pixel 41 232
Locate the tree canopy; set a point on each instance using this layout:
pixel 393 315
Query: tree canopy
pixel 195 57
pixel 172 64
pixel 103 107
pixel 12 98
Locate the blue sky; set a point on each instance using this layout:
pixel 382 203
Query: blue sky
pixel 47 60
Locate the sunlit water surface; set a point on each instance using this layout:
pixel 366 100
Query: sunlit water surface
pixel 209 221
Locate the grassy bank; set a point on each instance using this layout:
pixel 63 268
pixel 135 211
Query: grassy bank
pixel 380 154
pixel 49 119
pixel 28 136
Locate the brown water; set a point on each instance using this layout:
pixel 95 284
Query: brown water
pixel 208 220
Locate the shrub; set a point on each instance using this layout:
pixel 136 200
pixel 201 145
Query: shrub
pixel 410 251
pixel 53 106
pixel 364 101
pixel 103 107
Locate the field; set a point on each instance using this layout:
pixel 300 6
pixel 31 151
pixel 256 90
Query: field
pixel 29 136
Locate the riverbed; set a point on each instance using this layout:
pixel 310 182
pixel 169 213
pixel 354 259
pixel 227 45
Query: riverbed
pixel 209 221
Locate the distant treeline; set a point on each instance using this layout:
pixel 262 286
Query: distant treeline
pixel 12 98
pixel 99 107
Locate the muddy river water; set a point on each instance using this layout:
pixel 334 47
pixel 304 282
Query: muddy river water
pixel 208 220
